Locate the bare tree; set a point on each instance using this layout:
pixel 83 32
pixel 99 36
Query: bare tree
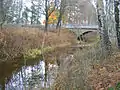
pixel 4 7
pixel 105 42
pixel 2 14
pixel 116 4
pixel 61 13
pixel 18 10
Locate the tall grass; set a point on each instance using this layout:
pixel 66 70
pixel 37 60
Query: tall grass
pixel 16 41
pixel 76 75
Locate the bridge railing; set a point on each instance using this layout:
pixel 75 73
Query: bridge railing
pixel 82 27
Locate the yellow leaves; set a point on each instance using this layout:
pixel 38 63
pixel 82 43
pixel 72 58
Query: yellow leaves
pixel 32 53
pixel 35 53
pixel 53 18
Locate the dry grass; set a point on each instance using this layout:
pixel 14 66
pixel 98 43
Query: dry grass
pixel 89 69
pixel 106 74
pixel 16 41
pixel 78 73
pixel 85 70
pixel 75 69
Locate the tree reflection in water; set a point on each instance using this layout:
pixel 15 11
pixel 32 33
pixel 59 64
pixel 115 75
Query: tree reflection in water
pixel 30 77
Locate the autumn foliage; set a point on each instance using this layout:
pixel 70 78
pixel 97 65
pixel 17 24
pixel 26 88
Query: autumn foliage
pixel 53 18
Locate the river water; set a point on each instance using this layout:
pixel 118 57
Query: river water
pixel 31 77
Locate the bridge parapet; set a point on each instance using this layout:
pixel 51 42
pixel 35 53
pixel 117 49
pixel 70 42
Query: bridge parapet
pixel 79 31
pixel 95 27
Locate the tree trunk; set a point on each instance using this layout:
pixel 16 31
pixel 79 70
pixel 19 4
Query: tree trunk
pixel 20 11
pixel 46 24
pixel 60 17
pixel 46 16
pixel 1 14
pixel 59 21
pixel 61 12
pixel 105 42
pixel 117 22
pixel 58 26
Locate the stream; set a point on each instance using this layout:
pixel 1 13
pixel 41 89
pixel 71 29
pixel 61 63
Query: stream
pixel 30 77
pixel 18 75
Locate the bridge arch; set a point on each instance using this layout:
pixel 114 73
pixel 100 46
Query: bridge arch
pixel 85 35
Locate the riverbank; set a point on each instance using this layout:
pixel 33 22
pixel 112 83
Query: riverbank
pixel 21 47
pixel 16 42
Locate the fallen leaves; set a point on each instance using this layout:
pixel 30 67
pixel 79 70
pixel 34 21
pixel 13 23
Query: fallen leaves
pixel 105 75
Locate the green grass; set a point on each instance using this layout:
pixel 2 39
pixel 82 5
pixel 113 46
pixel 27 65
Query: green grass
pixel 117 87
pixel 36 53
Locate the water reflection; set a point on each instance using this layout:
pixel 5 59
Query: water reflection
pixel 31 77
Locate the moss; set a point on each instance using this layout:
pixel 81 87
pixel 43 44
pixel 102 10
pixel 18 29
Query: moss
pixel 32 54
pixel 47 49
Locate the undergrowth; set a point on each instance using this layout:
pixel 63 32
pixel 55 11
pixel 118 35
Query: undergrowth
pixel 117 87
pixel 74 73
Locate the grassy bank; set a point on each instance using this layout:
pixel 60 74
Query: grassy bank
pixel 89 69
pixel 17 42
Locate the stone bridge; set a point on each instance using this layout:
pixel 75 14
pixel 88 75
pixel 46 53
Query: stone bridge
pixel 79 30
pixel 82 31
